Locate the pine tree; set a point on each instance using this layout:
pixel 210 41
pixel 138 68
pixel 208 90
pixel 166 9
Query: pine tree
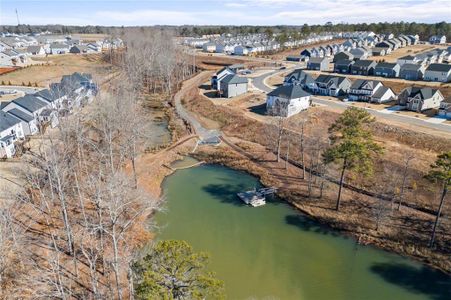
pixel 440 173
pixel 352 144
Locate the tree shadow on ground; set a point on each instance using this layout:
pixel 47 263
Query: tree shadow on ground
pixel 307 224
pixel 259 109
pixel 435 284
pixel 226 193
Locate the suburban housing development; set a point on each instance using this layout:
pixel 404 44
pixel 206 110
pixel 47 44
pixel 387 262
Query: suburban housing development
pixel 32 113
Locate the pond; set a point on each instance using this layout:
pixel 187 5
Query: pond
pixel 274 252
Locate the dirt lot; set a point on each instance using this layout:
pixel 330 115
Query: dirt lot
pixel 55 66
pixel 409 50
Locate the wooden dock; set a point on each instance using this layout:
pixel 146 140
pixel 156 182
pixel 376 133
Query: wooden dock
pixel 256 197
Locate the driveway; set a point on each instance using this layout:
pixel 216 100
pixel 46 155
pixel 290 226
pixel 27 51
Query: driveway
pixel 259 83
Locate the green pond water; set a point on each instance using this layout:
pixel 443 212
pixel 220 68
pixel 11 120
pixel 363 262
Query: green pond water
pixel 273 252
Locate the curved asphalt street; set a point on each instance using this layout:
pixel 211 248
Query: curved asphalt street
pixel 411 122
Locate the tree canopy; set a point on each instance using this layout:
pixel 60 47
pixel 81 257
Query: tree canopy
pixel 173 271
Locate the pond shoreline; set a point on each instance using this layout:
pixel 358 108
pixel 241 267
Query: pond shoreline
pixel 432 259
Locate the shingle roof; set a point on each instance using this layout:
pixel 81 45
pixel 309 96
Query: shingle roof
pixel 410 67
pixel 346 62
pixel 363 63
pixel 7 121
pixel 20 114
pixel 30 103
pixel 386 65
pixel 302 76
pixel 289 92
pixel 233 79
pixel 33 49
pixel 361 82
pixel 381 91
pixel 425 93
pixel 439 67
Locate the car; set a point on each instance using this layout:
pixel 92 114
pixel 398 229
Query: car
pixel 282 68
pixel 345 99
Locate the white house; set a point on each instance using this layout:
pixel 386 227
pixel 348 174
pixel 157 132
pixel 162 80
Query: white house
pixel 10 132
pixel 382 95
pixel 287 100
pixel 30 105
pixel 57 48
pixel 438 72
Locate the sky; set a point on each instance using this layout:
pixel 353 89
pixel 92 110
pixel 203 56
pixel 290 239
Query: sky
pixel 217 12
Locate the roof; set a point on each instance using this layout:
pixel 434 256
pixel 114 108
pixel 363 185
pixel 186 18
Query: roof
pixel 327 78
pixel 58 46
pixel 411 67
pixel 50 95
pixel 20 114
pixel 381 91
pixel 233 79
pixel 33 49
pixel 30 103
pixel 439 67
pixel 425 92
pixel 346 62
pixel 386 65
pixel 302 76
pixel 408 57
pixel 363 63
pixel 7 121
pixel 289 92
pixel 361 82
pixel 317 60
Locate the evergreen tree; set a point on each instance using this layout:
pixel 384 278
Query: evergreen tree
pixel 440 173
pixel 173 271
pixel 352 144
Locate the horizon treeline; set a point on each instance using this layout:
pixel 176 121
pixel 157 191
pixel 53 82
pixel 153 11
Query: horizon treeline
pixel 424 30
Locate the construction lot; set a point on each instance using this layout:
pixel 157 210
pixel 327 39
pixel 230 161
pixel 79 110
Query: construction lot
pixel 409 50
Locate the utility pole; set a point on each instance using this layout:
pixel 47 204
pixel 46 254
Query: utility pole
pixel 17 15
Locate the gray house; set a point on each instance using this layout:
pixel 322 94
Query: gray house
pixel 420 99
pixel 343 55
pixel 343 66
pixel 332 85
pixel 412 72
pixel 301 78
pixel 233 85
pixel 387 69
pixel 363 67
pixel 318 63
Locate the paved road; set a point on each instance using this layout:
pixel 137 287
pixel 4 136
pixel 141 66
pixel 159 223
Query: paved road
pixel 259 83
pixel 24 89
pixel 202 132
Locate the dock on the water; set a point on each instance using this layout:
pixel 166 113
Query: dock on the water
pixel 256 197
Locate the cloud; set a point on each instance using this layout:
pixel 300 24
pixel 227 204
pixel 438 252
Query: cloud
pixel 235 5
pixel 148 17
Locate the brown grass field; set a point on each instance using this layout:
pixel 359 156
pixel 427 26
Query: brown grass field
pixel 55 66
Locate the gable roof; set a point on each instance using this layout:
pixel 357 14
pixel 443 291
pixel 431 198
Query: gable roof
pixel 20 115
pixel 411 67
pixel 425 92
pixel 337 80
pixel 7 121
pixel 381 91
pixel 33 49
pixel 301 75
pixel 359 83
pixel 289 92
pixel 439 67
pixel 233 79
pixel 364 63
pixel 386 65
pixel 344 62
pixel 30 103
